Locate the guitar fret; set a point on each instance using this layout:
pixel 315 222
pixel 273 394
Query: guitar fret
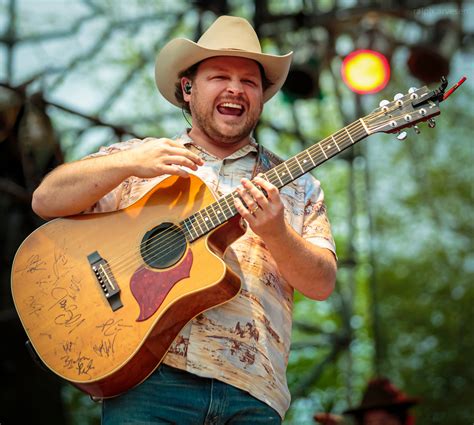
pixel 208 217
pixel 289 172
pixel 190 220
pixel 322 150
pixel 349 134
pixel 337 146
pixel 216 214
pixel 199 224
pixel 228 206
pixel 205 220
pixel 299 165
pixel 187 228
pixel 363 125
pixel 278 175
pixel 309 156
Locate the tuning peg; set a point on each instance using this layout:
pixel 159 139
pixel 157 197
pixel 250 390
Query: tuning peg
pixel 383 103
pixel 398 96
pixel 417 130
pixel 431 123
pixel 412 90
pixel 402 135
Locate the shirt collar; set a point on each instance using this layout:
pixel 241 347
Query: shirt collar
pixel 186 140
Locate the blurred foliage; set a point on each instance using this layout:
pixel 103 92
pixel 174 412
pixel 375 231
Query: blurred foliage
pixel 400 211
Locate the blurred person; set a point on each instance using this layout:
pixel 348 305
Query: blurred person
pixel 382 404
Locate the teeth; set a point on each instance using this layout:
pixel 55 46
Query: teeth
pixel 232 105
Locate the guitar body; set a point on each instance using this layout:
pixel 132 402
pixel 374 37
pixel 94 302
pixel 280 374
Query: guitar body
pixel 63 293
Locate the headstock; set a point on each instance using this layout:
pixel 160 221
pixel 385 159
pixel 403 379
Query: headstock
pixel 409 109
pixel 405 111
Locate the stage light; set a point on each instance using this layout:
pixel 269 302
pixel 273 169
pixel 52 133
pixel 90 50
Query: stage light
pixel 430 60
pixel 365 71
pixel 302 83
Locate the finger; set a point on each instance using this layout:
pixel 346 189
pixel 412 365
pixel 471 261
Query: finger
pixel 243 211
pixel 247 199
pixel 255 192
pixel 179 160
pixel 180 151
pixel 169 146
pixel 271 190
pixel 175 170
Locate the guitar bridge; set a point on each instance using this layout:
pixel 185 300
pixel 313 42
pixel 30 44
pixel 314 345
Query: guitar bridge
pixel 106 280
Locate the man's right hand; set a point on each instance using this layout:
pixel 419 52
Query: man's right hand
pixel 156 157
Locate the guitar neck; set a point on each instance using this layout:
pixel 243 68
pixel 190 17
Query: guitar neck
pixel 217 213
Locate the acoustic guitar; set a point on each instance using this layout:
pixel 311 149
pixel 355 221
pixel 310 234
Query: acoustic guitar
pixel 103 296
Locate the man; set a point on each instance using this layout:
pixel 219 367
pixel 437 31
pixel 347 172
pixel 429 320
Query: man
pixel 382 404
pixel 228 364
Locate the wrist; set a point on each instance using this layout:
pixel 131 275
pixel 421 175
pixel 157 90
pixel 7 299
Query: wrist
pixel 280 237
pixel 122 163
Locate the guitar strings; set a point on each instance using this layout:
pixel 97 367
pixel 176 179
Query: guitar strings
pixel 312 148
pixel 173 238
pixel 170 237
pixel 294 167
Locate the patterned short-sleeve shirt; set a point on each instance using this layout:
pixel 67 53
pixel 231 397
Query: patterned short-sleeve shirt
pixel 246 341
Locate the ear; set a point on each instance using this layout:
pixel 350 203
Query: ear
pixel 186 88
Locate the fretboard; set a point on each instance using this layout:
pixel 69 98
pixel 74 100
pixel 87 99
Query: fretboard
pixel 217 213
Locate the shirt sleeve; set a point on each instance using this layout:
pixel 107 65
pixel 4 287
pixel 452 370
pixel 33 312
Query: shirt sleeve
pixel 316 226
pixel 116 198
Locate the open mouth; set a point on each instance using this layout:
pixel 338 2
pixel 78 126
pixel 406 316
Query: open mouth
pixel 230 108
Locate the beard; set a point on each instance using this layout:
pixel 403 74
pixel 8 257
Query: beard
pixel 219 131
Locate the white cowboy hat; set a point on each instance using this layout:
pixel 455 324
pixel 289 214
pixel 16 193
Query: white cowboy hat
pixel 227 36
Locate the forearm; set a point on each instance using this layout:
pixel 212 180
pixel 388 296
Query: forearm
pixel 74 187
pixel 308 268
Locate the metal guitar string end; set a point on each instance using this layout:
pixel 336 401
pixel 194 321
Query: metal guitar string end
pixel 402 135
pixel 431 123
pixel 398 99
pixel 383 105
pixel 416 129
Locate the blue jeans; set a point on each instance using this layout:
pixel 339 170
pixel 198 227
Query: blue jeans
pixel 172 396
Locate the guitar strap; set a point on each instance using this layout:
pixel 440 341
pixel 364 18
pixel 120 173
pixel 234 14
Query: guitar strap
pixel 265 161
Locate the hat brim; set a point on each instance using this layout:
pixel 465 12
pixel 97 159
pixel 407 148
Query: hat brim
pixel 405 404
pixel 180 54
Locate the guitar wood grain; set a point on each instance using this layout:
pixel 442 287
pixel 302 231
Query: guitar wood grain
pixel 65 313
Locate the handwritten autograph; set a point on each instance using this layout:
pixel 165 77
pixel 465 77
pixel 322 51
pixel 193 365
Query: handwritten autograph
pixel 112 327
pixel 34 305
pixel 33 264
pixel 82 364
pixel 105 348
pixel 69 317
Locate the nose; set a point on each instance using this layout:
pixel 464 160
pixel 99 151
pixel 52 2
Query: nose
pixel 235 87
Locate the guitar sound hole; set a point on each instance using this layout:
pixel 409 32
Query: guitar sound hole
pixel 163 246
